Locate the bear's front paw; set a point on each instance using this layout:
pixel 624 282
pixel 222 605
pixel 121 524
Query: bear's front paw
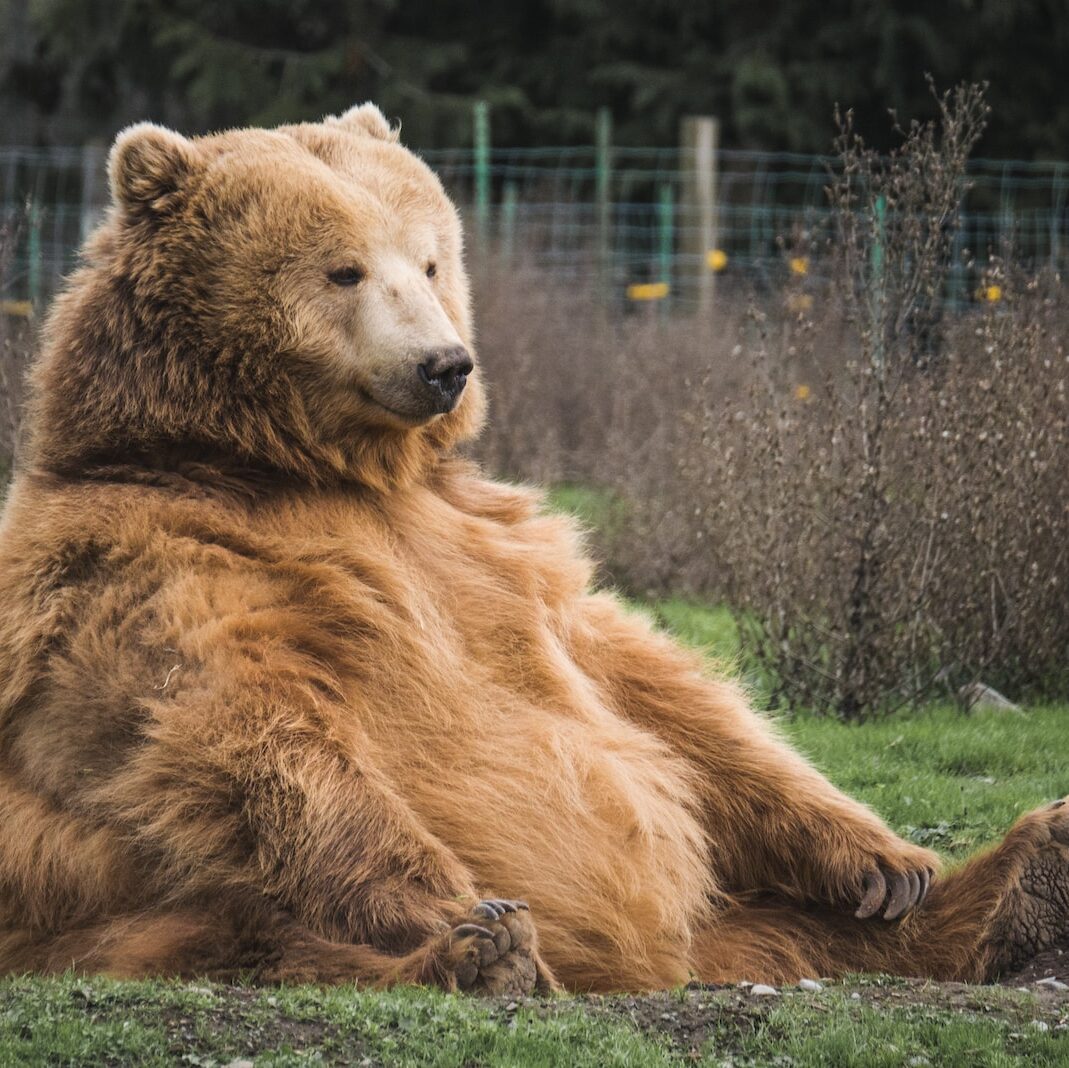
pixel 493 950
pixel 892 882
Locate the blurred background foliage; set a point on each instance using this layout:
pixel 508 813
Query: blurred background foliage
pixel 74 70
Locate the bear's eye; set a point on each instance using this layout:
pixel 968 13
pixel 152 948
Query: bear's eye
pixel 432 269
pixel 346 276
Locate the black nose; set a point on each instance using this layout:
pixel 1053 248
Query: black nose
pixel 445 372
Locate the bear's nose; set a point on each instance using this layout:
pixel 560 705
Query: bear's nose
pixel 444 372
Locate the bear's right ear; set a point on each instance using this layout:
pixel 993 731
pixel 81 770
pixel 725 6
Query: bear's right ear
pixel 147 165
pixel 366 119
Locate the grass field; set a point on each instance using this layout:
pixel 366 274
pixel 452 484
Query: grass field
pixel 947 780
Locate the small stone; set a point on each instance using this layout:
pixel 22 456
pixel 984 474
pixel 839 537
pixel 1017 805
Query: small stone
pixel 512 1006
pixel 855 996
pixel 745 984
pixel 241 1062
pixel 917 1062
pixel 759 990
pixel 977 695
pixel 1041 1025
pixel 1052 982
pixel 811 985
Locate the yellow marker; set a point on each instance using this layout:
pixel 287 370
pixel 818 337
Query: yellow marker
pixel 993 294
pixel 799 265
pixel 16 307
pixel 799 302
pixel 647 291
pixel 801 392
pixel 716 259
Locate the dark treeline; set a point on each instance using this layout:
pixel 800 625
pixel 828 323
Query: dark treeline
pixel 72 70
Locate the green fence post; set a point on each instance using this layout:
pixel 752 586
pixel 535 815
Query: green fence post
pixel 878 264
pixel 36 267
pixel 509 200
pixel 602 193
pixel 482 169
pixel 665 238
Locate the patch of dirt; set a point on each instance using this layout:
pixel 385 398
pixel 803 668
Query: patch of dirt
pixel 691 1017
pixel 1051 964
pixel 247 1035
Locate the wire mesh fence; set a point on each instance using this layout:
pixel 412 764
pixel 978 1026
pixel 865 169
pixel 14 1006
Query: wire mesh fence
pixel 624 215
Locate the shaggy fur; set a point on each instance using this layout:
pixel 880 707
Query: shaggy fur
pixel 286 688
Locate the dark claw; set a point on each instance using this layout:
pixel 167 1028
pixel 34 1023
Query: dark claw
pixel 504 906
pixel 900 891
pixel 487 910
pixel 914 890
pixel 926 882
pixel 875 887
pixel 466 930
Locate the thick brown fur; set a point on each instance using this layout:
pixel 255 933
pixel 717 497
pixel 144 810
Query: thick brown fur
pixel 287 689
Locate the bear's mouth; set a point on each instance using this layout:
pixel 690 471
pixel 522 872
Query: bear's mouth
pixel 410 418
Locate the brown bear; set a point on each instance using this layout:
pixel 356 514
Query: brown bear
pixel 289 690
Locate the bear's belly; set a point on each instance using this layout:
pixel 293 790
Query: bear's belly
pixel 585 816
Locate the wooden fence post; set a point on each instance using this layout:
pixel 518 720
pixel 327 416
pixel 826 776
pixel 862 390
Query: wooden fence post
pixel 699 137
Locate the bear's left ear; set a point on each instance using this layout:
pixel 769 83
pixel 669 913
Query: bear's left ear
pixel 147 165
pixel 366 119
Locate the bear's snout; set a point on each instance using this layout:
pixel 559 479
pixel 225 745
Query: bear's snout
pixel 444 373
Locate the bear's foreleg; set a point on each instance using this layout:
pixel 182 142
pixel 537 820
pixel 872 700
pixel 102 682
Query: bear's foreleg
pixel 261 783
pixel 775 823
pixel 984 920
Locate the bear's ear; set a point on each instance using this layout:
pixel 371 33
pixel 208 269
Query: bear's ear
pixel 147 165
pixel 366 119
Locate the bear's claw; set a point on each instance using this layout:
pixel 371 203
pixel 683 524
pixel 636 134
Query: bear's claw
pixel 893 893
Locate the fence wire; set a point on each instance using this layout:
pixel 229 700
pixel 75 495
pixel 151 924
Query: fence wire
pixel 575 212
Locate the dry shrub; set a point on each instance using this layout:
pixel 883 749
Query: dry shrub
pixel 900 530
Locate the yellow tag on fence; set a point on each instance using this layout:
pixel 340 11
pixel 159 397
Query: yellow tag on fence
pixel 716 259
pixel 647 291
pixel 22 308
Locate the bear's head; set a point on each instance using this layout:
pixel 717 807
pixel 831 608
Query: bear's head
pixel 290 299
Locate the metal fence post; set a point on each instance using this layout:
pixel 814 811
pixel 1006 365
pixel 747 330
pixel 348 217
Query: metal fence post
pixel 35 267
pixel 93 187
pixel 602 194
pixel 482 169
pixel 665 238
pixel 509 201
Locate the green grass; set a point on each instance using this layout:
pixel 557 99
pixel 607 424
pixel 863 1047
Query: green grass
pixel 75 1022
pixel 70 1021
pixel 946 779
pixel 942 778
pixel 834 1032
